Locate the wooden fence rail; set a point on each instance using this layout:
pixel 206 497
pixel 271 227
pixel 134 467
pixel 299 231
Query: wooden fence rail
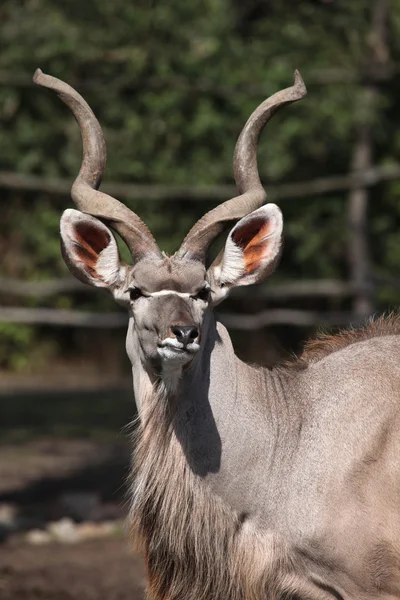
pixel 290 289
pixel 110 320
pixel 54 317
pixel 305 288
pixel 127 191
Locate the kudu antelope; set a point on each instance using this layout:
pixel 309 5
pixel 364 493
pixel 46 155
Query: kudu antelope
pixel 249 483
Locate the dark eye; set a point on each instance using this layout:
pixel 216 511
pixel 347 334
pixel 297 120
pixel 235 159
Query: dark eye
pixel 203 294
pixel 135 293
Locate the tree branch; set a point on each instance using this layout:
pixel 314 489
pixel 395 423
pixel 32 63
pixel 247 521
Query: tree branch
pixel 291 289
pixel 285 316
pixel 324 185
pixel 70 318
pixel 362 160
pixel 62 318
pixel 42 289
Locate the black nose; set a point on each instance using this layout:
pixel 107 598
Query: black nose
pixel 185 333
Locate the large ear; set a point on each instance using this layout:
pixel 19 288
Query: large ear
pixel 251 252
pixel 90 250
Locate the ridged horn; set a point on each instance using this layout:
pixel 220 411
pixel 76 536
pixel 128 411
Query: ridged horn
pixel 84 190
pixel 252 194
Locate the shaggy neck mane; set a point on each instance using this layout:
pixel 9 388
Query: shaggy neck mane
pixel 196 546
pixel 325 344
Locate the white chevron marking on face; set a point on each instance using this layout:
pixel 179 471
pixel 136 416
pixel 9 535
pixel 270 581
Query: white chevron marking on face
pixel 167 292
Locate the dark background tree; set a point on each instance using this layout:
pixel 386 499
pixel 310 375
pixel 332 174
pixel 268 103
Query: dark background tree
pixel 172 86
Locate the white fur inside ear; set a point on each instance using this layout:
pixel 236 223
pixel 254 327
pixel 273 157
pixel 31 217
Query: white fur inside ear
pixel 89 249
pixel 233 264
pixel 255 253
pixel 108 265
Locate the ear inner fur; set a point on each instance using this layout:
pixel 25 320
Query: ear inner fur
pixel 97 239
pixel 89 242
pixel 252 250
pixel 252 240
pixel 89 249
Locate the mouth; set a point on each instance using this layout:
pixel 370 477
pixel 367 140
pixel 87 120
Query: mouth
pixel 174 351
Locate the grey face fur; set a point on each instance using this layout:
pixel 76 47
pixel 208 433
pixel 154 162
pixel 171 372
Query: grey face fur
pixel 168 300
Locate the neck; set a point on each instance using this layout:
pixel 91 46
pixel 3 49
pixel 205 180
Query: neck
pixel 190 507
pixel 233 422
pixel 229 419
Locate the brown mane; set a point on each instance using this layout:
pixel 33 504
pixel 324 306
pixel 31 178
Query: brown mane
pixel 325 344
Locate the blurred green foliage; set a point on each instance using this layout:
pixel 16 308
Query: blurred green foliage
pixel 172 84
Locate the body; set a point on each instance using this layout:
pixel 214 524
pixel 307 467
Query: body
pixel 247 483
pixel 303 475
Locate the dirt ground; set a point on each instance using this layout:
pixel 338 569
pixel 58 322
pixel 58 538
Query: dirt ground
pixel 35 479
pixel 95 570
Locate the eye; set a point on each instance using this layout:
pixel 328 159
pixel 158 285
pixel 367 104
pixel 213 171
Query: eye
pixel 135 293
pixel 203 294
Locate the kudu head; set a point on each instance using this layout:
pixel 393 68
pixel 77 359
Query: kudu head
pixel 169 296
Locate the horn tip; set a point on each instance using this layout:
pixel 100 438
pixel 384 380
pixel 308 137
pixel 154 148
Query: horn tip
pixel 44 80
pixel 299 85
pixel 39 77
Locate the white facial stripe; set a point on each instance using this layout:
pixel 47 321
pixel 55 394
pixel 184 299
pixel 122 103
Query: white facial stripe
pixel 167 292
